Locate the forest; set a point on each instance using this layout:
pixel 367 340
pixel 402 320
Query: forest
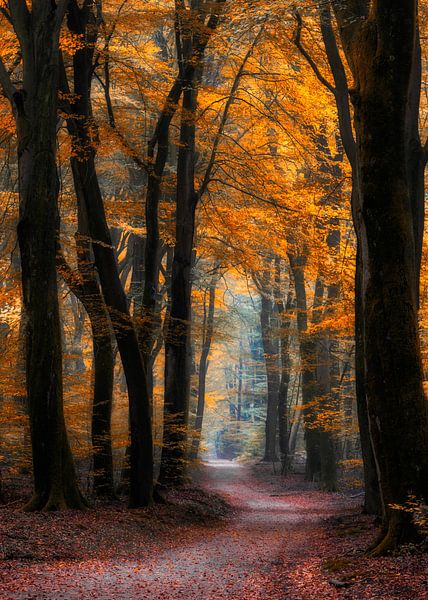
pixel 213 299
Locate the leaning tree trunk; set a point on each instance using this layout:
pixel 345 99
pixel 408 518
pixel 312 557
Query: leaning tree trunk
pixel 81 22
pixel 36 116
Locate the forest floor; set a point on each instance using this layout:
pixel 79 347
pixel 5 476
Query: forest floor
pixel 270 540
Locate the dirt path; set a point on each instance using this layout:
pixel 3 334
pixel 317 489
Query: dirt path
pixel 267 550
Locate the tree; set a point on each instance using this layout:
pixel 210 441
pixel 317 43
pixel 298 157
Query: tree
pixel 207 335
pixel 379 43
pixel 340 93
pixel 270 341
pixel 83 22
pixel 35 110
pixel 194 26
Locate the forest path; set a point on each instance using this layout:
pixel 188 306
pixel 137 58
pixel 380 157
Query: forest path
pixel 268 549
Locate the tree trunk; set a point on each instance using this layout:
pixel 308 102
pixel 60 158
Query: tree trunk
pixel 177 341
pixel 284 318
pixel 208 328
pixel 35 108
pixel 341 97
pixel 307 348
pixel 85 177
pixel 393 373
pixel 372 502
pixel 103 361
pixel 270 351
pixel 191 41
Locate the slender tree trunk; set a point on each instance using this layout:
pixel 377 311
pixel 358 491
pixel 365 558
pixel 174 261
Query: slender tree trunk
pixel 103 361
pixel 328 471
pixel 270 351
pixel 177 342
pixel 340 92
pixel 328 372
pixel 85 178
pixel 208 328
pixel 307 348
pixel 284 323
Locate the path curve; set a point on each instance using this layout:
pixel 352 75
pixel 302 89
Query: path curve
pixel 261 553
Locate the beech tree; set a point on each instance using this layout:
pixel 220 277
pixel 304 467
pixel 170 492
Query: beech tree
pixel 34 107
pixel 379 41
pixel 194 25
pixel 281 144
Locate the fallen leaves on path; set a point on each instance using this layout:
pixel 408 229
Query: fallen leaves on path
pixel 278 543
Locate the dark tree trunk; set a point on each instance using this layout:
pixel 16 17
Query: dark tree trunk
pixel 393 374
pixel 191 42
pixel 208 329
pixel 416 158
pixel 81 22
pixel 307 348
pixel 341 95
pixel 328 472
pixel 328 369
pixel 102 405
pixel 35 108
pixel 284 313
pixel 270 351
pixel 103 361
pixel 152 255
pixel 85 287
pixel 177 341
pixel 372 502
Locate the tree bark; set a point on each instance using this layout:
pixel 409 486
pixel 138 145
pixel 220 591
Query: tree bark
pixel 81 22
pixel 191 41
pixel 35 108
pixel 208 330
pixel 284 313
pixel 177 341
pixel 270 351
pixel 307 347
pixel 85 287
pixel 395 399
pixel 340 91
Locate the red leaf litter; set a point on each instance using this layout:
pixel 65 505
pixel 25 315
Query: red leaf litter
pixel 278 541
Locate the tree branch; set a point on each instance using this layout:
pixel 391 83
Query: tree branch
pixel 6 83
pixel 297 40
pixel 223 121
pixel 20 19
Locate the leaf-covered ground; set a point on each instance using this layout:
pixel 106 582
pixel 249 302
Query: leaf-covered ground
pixel 277 542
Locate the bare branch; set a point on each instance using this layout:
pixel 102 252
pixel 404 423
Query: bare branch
pixel 226 110
pixel 297 40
